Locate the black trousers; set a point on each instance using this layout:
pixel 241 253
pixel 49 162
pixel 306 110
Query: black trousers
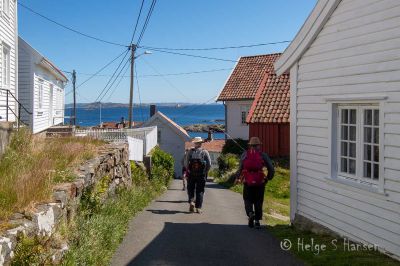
pixel 253 197
pixel 196 186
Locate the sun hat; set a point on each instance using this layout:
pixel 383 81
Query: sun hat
pixel 197 140
pixel 254 141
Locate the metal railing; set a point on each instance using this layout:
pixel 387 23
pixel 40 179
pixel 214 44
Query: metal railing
pixel 9 98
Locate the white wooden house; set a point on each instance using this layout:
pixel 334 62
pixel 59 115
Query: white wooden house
pixel 8 62
pixel 240 90
pixel 41 89
pixel 171 138
pixel 344 67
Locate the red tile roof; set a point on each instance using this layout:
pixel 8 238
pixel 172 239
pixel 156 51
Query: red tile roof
pixel 247 77
pixel 211 146
pixel 272 101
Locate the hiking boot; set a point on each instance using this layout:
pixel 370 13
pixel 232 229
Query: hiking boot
pixel 251 220
pixel 257 224
pixel 199 210
pixel 191 207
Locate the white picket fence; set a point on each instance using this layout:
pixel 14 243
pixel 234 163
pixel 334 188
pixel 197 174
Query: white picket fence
pixel 146 135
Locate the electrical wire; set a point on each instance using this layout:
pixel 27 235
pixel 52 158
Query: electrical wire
pixel 112 80
pixel 69 28
pixel 214 48
pixel 153 4
pixel 137 21
pixel 120 80
pixel 192 55
pixel 140 98
pixel 101 69
pixel 166 80
pixel 156 75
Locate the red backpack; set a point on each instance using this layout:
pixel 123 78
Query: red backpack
pixel 253 168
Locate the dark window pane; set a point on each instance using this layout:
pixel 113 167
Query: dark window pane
pixel 367 170
pixel 367 152
pixel 345 133
pixel 367 135
pixel 368 117
pixel 352 166
pixel 343 165
pixel 344 149
pixel 352 150
pixel 352 134
pixel 376 135
pixel 353 116
pixel 345 116
pixel 376 171
pixel 376 117
pixel 376 153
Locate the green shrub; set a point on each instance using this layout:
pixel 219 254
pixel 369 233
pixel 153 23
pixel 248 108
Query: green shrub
pixel 162 166
pixel 236 146
pixel 139 175
pixel 227 162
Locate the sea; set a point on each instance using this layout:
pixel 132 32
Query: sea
pixel 183 115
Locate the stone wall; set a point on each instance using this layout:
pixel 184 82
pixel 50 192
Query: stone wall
pixel 112 165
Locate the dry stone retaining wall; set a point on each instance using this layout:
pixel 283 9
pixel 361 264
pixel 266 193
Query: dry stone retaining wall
pixel 112 164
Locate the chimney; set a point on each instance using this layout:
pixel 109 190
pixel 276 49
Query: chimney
pixel 153 110
pixel 210 135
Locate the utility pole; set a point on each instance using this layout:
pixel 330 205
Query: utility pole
pixel 74 88
pixel 133 48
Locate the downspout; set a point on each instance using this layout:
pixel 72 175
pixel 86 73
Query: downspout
pixel 16 60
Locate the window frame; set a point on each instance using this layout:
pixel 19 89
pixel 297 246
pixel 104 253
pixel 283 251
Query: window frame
pixel 5 72
pixel 40 94
pixel 367 99
pixel 244 109
pixel 359 141
pixel 4 10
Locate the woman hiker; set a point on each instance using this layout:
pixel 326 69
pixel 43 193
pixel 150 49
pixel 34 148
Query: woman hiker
pixel 197 164
pixel 251 173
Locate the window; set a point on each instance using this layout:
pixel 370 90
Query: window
pixel 244 111
pixel 40 93
pixel 6 66
pixel 6 7
pixel 159 135
pixel 358 142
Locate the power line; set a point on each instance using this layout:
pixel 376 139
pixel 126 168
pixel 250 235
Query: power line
pixel 137 21
pixel 165 79
pixel 192 55
pixel 101 69
pixel 214 48
pixel 69 28
pixel 140 98
pixel 153 4
pixel 157 75
pixel 101 95
pixel 119 82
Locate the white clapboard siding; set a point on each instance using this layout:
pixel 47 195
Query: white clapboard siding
pixel 8 38
pixel 357 52
pixel 31 70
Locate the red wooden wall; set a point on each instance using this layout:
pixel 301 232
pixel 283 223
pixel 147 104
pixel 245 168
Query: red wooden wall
pixel 275 137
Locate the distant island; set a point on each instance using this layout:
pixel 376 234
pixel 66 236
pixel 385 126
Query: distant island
pixel 217 128
pixel 96 105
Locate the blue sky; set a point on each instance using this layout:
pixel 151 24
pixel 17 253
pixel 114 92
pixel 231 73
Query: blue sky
pixel 174 23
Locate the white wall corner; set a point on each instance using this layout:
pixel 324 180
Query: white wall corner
pixel 293 141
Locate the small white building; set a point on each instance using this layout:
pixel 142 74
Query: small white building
pixel 41 89
pixel 171 138
pixel 8 60
pixel 345 120
pixel 239 92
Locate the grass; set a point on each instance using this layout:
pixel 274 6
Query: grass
pixel 276 216
pixel 100 230
pixel 32 164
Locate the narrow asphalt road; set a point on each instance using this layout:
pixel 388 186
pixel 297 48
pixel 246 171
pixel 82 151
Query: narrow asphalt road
pixel 165 233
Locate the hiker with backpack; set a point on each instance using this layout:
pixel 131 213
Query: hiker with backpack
pixel 251 174
pixel 197 164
